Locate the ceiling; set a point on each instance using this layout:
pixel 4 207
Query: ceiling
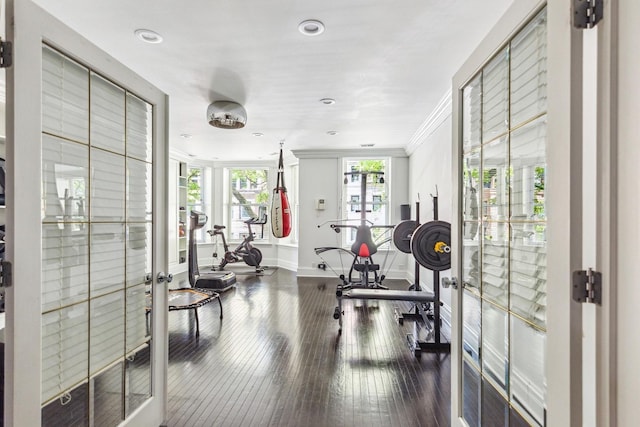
pixel 387 64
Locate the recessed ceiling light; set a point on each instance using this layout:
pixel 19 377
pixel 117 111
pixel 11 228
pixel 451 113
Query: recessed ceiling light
pixel 185 135
pixel 332 132
pixel 258 134
pixel 367 145
pixel 311 27
pixel 328 101
pixel 148 36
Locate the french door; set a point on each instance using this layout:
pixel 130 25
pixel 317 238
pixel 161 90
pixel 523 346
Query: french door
pixel 517 168
pixel 86 340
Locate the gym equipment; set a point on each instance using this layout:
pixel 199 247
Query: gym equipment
pixel 280 210
pixel 369 277
pixel 431 245
pixel 187 299
pixel 220 280
pixel 363 247
pixel 245 250
pixel 402 235
pixel 421 300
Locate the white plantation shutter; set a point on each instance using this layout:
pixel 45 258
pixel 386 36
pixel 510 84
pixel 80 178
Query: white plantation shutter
pixel 65 95
pixel 504 229
pixel 96 224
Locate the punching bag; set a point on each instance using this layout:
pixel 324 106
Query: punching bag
pixel 280 211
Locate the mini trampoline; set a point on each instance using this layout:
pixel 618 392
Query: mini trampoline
pixel 189 299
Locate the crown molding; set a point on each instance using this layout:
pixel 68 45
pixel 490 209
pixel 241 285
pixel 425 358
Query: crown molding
pixel 356 152
pixel 432 122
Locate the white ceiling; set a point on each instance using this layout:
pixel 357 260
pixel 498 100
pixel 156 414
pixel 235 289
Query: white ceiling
pixel 387 63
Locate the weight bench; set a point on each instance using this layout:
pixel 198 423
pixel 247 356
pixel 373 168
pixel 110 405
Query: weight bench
pixel 389 294
pixel 417 297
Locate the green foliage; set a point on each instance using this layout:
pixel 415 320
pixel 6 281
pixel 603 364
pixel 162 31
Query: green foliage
pixel 194 186
pixel 253 183
pixel 538 195
pixel 371 166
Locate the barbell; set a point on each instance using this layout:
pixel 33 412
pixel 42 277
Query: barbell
pixel 430 243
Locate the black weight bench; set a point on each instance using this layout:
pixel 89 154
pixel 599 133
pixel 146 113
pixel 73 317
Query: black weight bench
pixel 389 294
pixel 417 297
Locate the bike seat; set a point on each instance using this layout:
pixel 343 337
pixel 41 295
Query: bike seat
pixel 218 227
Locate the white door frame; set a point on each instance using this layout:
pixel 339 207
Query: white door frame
pixel 27 27
pixel 606 216
pixel 564 205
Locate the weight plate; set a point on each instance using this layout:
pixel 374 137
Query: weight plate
pixel 402 235
pixel 431 245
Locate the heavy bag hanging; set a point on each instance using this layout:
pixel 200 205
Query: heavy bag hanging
pixel 280 211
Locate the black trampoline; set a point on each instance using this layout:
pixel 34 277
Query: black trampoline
pixel 189 299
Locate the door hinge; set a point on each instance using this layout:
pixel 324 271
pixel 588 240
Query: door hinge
pixel 6 54
pixel 6 279
pixel 587 286
pixel 587 13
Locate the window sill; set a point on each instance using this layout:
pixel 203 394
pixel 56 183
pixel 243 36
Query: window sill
pixel 288 245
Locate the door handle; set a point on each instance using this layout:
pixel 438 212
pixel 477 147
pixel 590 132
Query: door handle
pixel 450 281
pixel 162 277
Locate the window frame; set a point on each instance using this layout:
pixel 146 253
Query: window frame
pixel 373 198
pixel 204 204
pixel 261 232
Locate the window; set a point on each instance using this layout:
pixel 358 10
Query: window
pixel 355 201
pixel 196 198
pixel 248 193
pixel 375 197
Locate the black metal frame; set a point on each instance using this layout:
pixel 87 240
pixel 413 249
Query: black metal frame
pixel 438 344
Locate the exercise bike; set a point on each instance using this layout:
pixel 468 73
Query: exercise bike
pixel 245 251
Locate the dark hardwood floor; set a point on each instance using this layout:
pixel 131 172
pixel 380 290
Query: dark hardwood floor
pixel 276 359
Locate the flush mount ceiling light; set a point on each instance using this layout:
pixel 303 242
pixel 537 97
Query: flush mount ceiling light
pixel 311 27
pixel 185 135
pixel 258 134
pixel 332 132
pixel 148 36
pixel 226 115
pixel 328 101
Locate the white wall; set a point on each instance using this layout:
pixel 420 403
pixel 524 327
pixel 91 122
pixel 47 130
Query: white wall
pixel 321 177
pixel 430 167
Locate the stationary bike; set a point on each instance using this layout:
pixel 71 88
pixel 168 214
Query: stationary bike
pixel 245 250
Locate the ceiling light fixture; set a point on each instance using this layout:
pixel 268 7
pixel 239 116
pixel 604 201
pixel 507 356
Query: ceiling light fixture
pixel 328 101
pixel 226 115
pixel 311 27
pixel 185 135
pixel 332 132
pixel 258 134
pixel 148 36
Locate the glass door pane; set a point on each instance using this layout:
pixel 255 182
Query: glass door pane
pixel 504 242
pixel 97 245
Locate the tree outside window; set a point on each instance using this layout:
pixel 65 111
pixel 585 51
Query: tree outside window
pixel 376 200
pixel 195 197
pixel 249 192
